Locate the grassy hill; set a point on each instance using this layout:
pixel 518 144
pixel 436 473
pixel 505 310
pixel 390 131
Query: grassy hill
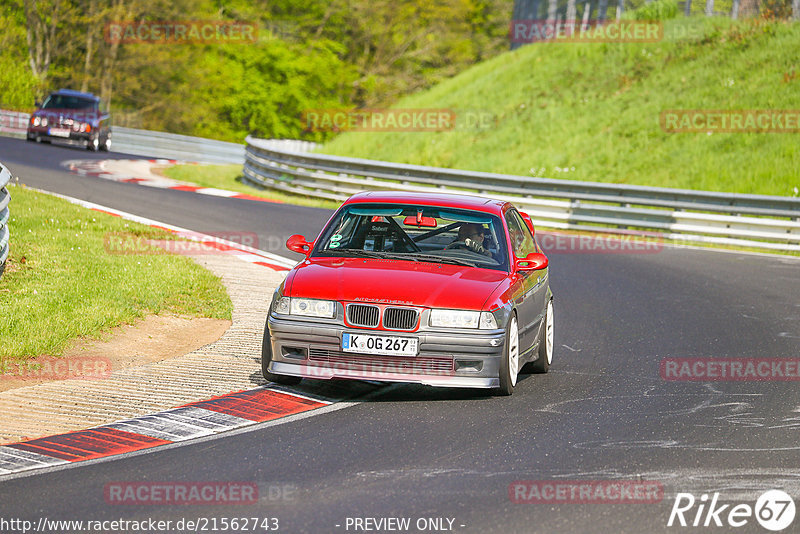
pixel 591 111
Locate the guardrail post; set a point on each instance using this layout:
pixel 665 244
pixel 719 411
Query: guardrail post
pixel 5 235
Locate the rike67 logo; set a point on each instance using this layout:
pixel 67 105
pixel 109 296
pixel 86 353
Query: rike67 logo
pixel 774 510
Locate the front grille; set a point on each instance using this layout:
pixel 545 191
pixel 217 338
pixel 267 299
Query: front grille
pixel 400 318
pixel 363 315
pixel 376 365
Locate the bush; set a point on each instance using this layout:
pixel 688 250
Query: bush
pixel 658 10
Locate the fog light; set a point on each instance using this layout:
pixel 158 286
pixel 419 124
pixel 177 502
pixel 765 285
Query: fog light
pixel 295 353
pixel 473 366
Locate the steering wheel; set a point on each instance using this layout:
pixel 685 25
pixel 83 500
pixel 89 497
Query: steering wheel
pixel 467 244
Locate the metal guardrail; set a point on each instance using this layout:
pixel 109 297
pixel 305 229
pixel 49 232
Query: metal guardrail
pixel 174 146
pixel 760 221
pixel 5 236
pixel 145 142
pixel 13 123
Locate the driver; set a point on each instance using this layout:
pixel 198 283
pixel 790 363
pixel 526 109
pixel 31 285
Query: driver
pixel 470 235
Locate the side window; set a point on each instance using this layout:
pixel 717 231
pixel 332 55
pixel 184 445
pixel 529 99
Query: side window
pixel 521 238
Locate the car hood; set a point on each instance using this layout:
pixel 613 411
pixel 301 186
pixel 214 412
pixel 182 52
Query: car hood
pixel 394 282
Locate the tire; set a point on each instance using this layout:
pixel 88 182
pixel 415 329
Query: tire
pixel 106 146
pixel 93 144
pixel 509 365
pixel 266 358
pixel 542 363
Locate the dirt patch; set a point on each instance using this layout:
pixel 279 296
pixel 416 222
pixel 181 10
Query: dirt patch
pixel 154 338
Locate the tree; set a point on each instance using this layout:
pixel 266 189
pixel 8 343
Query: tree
pixel 602 9
pixel 42 18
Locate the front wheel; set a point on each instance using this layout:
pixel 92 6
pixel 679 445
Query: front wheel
pixel 542 363
pixel 509 365
pixel 266 358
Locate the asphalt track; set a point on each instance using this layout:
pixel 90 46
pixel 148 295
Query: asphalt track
pixel 602 413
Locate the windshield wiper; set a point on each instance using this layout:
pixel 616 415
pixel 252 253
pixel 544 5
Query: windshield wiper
pixel 412 256
pixel 444 259
pixel 354 253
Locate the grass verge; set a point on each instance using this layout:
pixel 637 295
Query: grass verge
pixel 591 111
pixel 61 284
pixel 229 177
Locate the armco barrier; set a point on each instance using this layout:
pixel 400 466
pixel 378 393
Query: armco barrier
pixel 5 237
pixel 145 142
pixel 13 123
pixel 759 221
pixel 174 146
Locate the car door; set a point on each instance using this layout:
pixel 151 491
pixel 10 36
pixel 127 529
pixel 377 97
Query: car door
pixel 529 293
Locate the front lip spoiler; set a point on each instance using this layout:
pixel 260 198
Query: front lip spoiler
pixel 327 373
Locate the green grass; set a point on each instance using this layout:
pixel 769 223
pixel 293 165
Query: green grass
pixel 590 111
pixel 229 177
pixel 60 283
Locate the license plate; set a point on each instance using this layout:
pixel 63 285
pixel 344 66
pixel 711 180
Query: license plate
pixel 380 345
pixel 58 132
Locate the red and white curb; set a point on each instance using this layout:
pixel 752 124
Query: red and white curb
pixel 222 246
pixel 194 420
pixel 138 171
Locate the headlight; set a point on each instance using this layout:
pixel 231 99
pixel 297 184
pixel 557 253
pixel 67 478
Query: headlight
pixel 462 319
pixel 36 121
pixel 305 307
pixel 281 306
pixel 44 121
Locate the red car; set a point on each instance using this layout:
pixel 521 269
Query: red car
pixel 438 289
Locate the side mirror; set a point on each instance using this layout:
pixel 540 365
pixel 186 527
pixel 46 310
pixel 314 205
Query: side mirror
pixel 528 221
pixel 532 262
pixel 298 243
pixel 37 104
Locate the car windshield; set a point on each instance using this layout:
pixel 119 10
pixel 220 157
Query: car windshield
pixel 68 102
pixel 416 233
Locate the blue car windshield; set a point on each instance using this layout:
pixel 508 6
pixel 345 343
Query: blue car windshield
pixel 416 233
pixel 68 102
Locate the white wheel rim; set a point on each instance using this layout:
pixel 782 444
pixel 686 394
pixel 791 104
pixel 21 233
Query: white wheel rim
pixel 513 351
pixel 549 333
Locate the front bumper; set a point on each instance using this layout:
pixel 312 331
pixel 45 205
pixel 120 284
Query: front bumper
pixel 458 358
pixel 74 137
